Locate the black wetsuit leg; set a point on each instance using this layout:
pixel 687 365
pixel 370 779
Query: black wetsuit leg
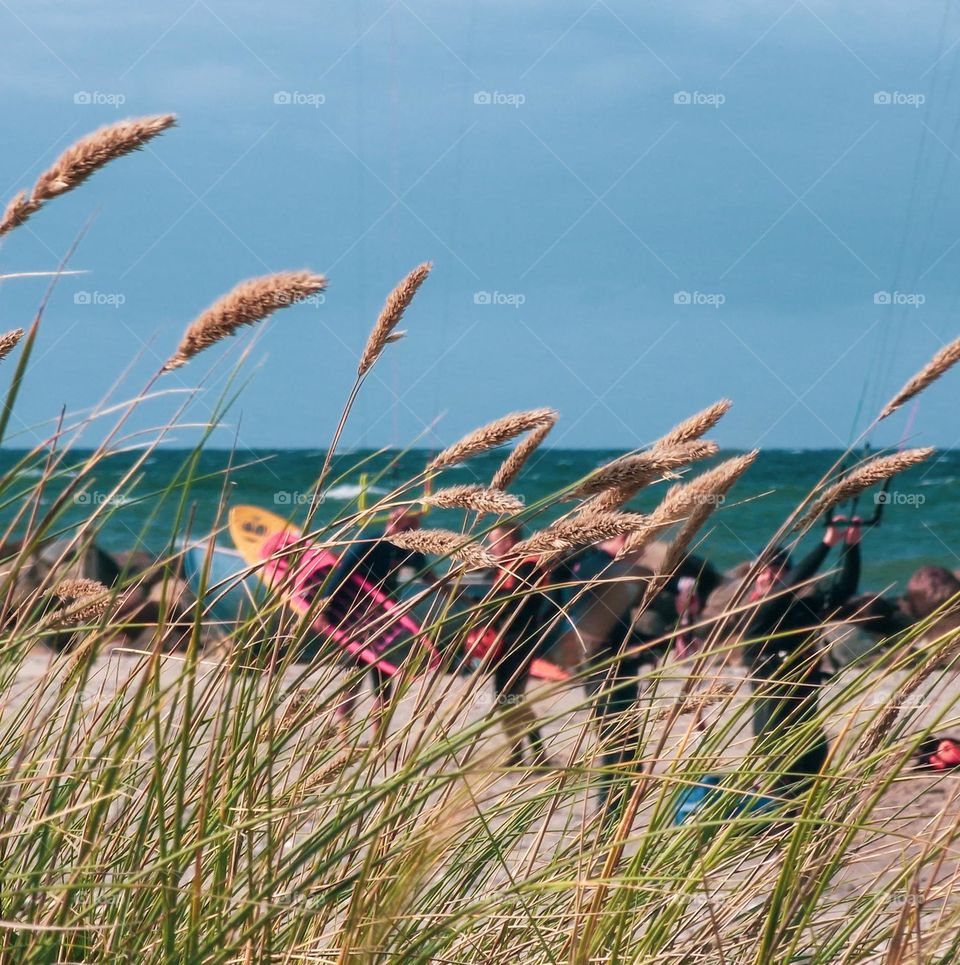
pixel 615 689
pixel 510 676
pixel 783 654
pixel 785 708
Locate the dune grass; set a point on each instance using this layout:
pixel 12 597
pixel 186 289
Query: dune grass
pixel 169 801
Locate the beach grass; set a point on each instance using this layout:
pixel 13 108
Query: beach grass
pixel 173 794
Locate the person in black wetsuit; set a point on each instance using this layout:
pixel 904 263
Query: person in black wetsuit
pixel 520 613
pixel 380 564
pixel 783 652
pixel 614 683
pixel 635 642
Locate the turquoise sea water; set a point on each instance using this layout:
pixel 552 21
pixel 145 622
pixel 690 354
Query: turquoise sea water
pixel 920 523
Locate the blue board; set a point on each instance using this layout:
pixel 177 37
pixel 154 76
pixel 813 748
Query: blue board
pixel 709 790
pixel 232 593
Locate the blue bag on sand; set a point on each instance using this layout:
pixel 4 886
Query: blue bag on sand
pixel 707 791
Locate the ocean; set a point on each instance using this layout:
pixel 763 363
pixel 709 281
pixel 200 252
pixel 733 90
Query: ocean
pixel 918 525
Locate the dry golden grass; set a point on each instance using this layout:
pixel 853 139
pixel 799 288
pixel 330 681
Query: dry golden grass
pixel 511 466
pixel 864 477
pixel 685 433
pixel 250 302
pixel 332 769
pixel 81 160
pixel 480 499
pixel 630 474
pixel 945 359
pixel 584 529
pixel 384 330
pixel 262 815
pixel 301 709
pixel 942 652
pixel 690 503
pixel 82 601
pixel 79 588
pixel 610 500
pixel 695 703
pixel 490 436
pixel 8 342
pixel 443 542
pixel 696 426
pixel 705 494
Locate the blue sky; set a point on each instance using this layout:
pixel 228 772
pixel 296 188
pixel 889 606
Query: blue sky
pixel 632 211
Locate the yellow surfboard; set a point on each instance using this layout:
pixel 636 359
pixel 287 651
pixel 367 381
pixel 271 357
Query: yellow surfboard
pixel 251 527
pixel 379 633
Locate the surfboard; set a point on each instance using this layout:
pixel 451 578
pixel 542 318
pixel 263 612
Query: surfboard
pixel 251 527
pixel 230 592
pixel 356 616
pixel 708 790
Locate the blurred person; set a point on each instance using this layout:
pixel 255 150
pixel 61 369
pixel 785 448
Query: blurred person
pixel 380 564
pixel 519 617
pixel 783 651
